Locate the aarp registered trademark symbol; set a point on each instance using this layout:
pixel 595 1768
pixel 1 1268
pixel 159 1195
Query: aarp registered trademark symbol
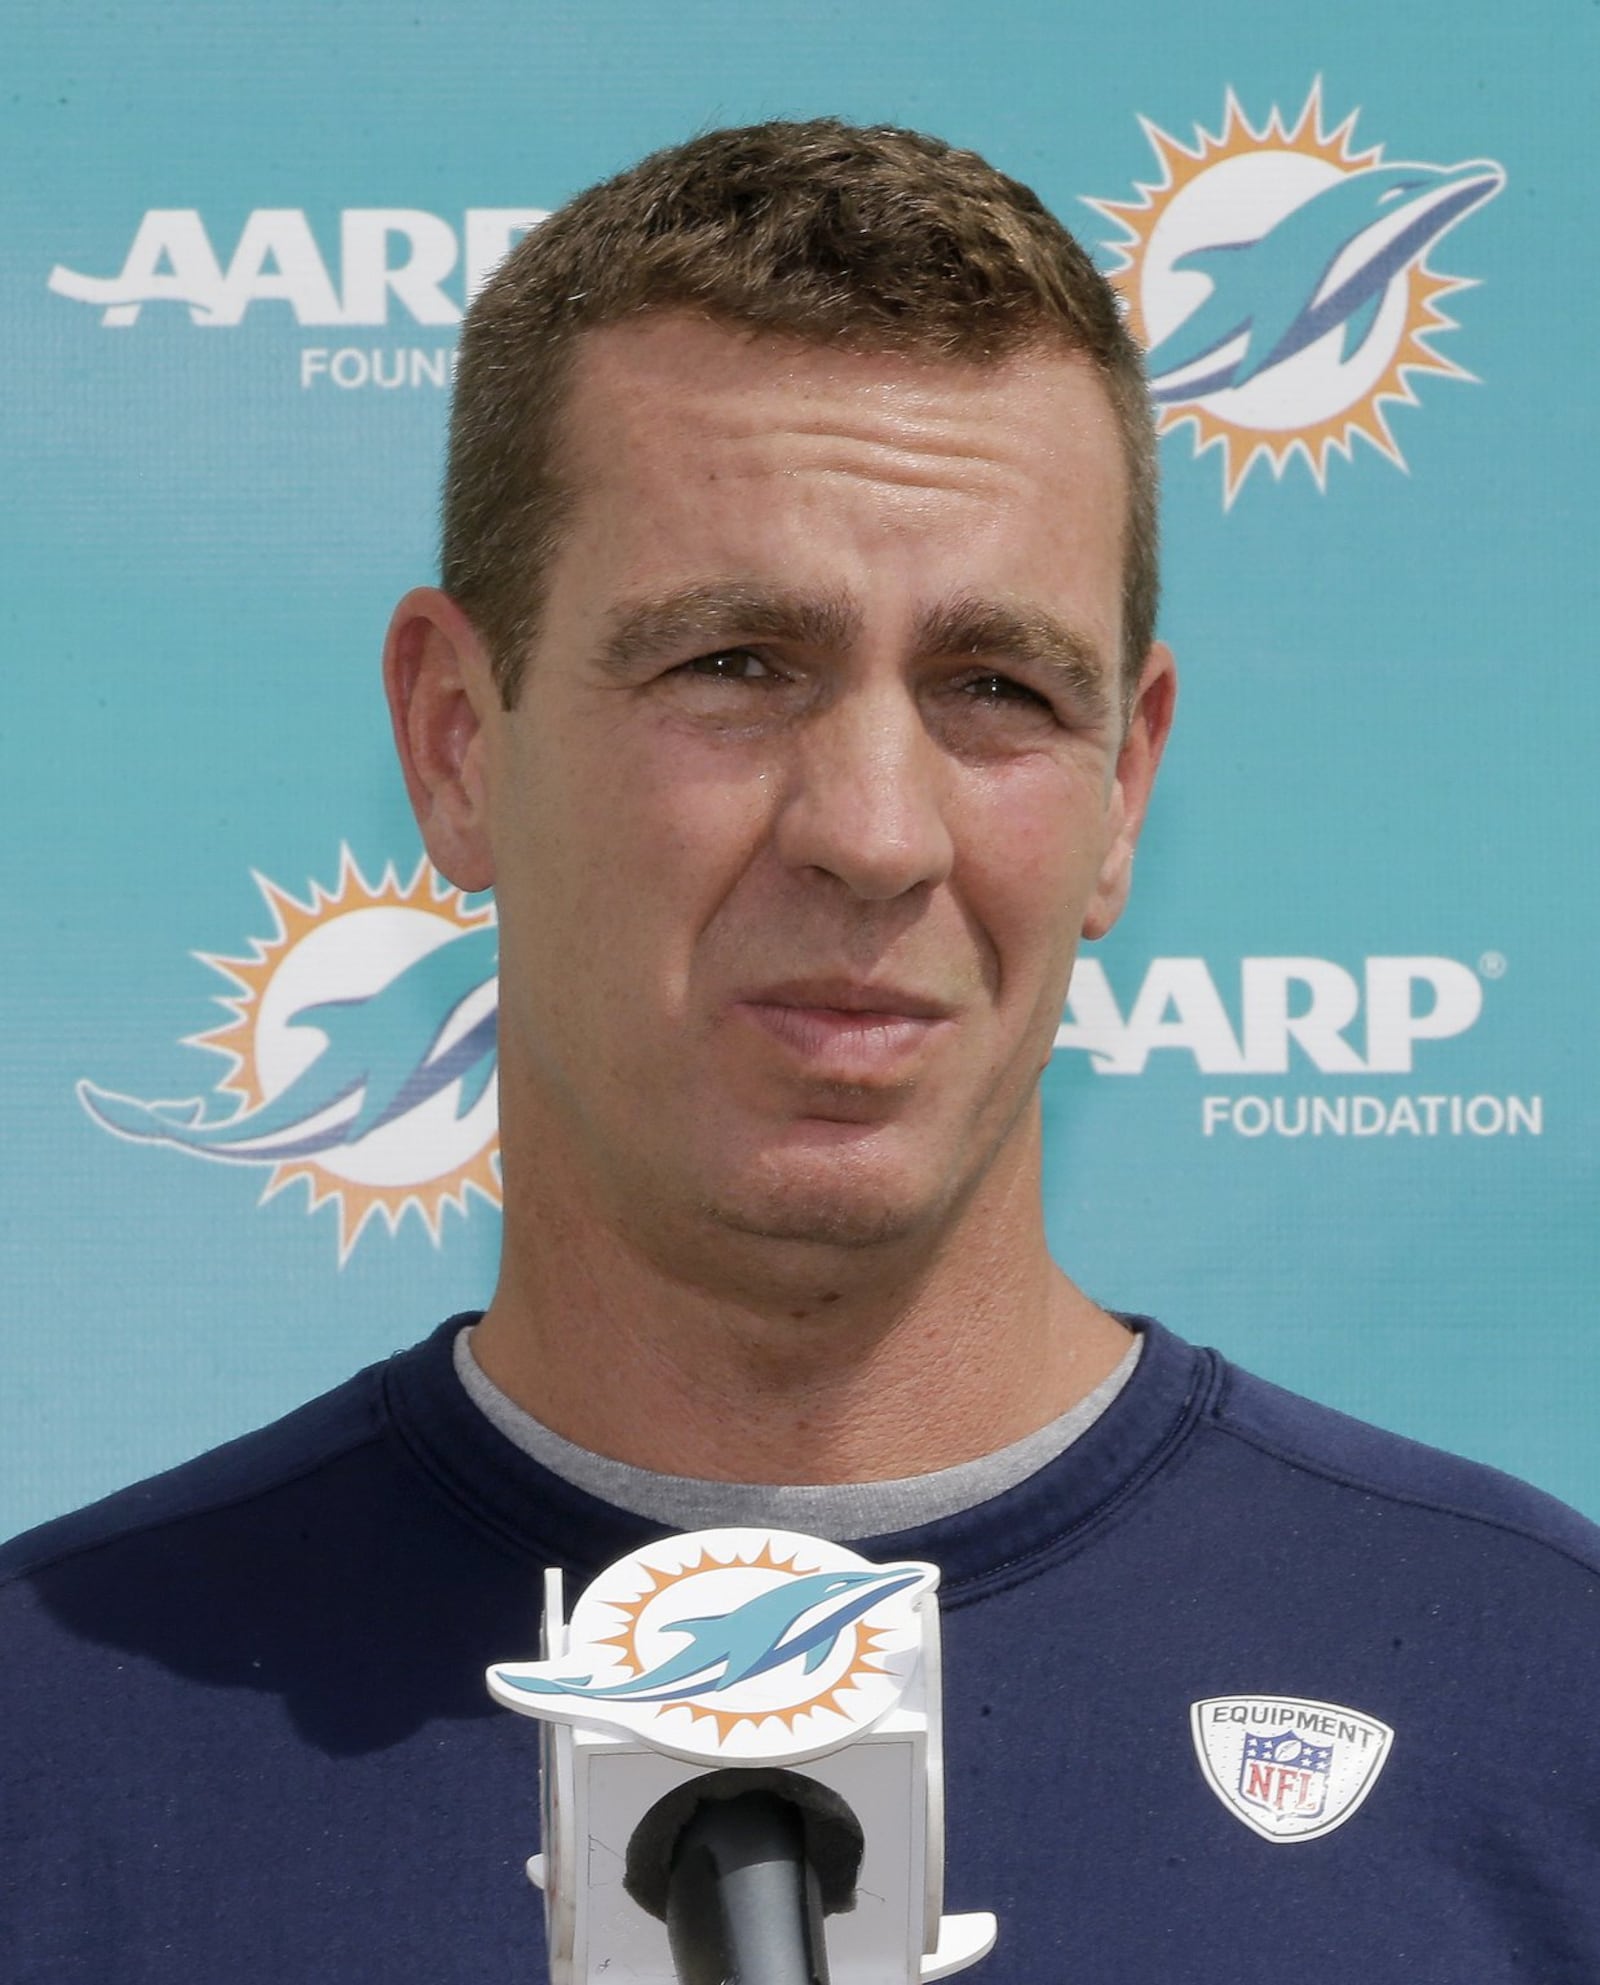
pixel 1493 964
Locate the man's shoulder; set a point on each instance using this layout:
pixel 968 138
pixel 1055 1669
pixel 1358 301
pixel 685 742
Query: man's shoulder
pixel 1448 1494
pixel 234 1476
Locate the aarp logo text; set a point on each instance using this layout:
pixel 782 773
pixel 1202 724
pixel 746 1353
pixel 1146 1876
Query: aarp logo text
pixel 388 258
pixel 1341 1023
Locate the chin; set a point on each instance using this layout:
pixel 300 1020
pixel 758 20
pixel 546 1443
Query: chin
pixel 843 1207
pixel 834 1226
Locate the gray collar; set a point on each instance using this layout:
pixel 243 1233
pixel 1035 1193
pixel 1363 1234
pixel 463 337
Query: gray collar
pixel 827 1509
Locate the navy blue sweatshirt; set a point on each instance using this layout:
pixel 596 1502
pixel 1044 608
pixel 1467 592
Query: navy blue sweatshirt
pixel 245 1735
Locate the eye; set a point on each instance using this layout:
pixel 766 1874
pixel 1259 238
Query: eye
pixel 1002 689
pixel 729 665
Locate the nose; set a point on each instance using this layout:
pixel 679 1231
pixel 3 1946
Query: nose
pixel 866 796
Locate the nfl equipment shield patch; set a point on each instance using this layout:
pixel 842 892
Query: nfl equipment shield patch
pixel 1290 1768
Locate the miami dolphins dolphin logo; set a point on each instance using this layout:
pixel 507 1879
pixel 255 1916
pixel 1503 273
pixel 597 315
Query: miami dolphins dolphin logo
pixel 732 1634
pixel 384 1053
pixel 764 1633
pixel 1280 281
pixel 361 1054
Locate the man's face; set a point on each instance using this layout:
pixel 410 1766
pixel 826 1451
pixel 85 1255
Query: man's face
pixel 816 776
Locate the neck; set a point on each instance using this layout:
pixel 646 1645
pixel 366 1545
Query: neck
pixel 782 1362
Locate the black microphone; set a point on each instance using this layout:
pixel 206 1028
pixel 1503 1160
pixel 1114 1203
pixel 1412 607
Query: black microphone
pixel 742 1866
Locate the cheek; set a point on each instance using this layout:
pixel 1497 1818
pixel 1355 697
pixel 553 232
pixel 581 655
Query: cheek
pixel 635 842
pixel 1034 853
pixel 691 815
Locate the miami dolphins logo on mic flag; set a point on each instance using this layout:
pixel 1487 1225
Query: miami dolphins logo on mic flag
pixel 732 1644
pixel 361 1054
pixel 1280 281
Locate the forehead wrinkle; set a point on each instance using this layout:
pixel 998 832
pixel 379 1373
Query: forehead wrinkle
pixel 962 454
pixel 1020 633
pixel 727 610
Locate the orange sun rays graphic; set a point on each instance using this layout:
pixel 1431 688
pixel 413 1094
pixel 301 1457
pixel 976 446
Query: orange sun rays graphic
pixel 238 1041
pixel 1316 441
pixel 866 1644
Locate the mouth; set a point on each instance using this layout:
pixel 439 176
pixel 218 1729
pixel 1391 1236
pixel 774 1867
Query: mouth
pixel 843 1032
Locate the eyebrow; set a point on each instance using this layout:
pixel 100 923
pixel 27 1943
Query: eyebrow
pixel 1021 634
pixel 730 610
pixel 722 612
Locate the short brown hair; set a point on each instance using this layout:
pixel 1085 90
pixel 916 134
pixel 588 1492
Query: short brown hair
pixel 876 239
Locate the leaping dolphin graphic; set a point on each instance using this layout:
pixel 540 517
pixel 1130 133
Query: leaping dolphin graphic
pixel 1326 264
pixel 762 1634
pixel 383 1057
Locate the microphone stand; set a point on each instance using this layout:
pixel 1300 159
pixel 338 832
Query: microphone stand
pixel 692 1675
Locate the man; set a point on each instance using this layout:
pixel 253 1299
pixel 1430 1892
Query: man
pixel 793 685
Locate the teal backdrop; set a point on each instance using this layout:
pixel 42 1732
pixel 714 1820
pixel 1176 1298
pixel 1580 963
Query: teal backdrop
pixel 1326 1098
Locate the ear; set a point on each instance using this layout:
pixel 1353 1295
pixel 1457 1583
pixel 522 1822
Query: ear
pixel 1144 739
pixel 442 698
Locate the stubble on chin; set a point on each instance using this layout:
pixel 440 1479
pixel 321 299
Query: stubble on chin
pixel 819 1219
pixel 883 1193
